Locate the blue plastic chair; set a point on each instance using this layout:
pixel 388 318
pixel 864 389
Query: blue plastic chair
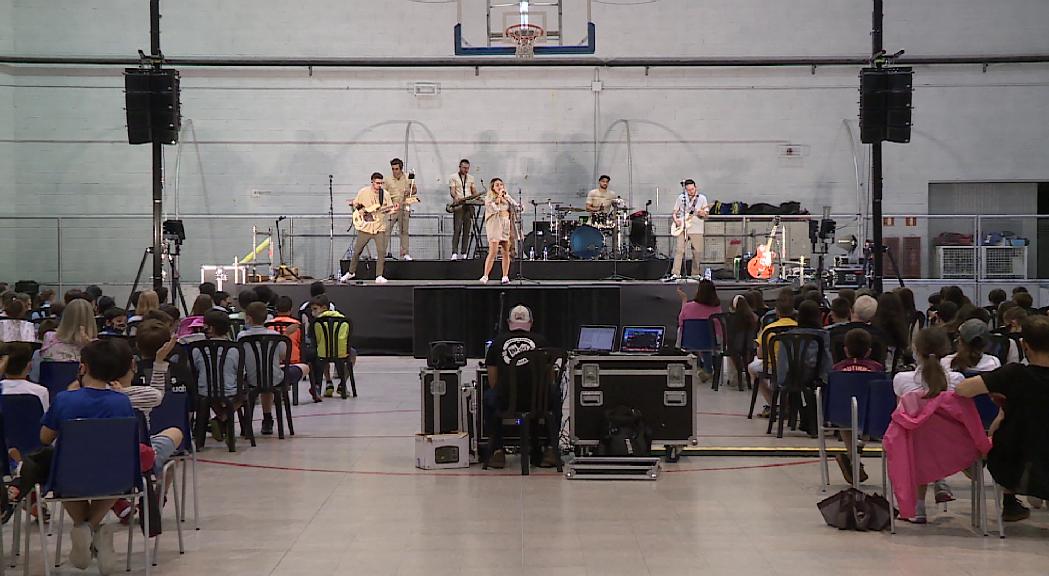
pixel 698 336
pixel 842 404
pixel 95 459
pixel 21 429
pixel 173 412
pixel 881 403
pixel 57 376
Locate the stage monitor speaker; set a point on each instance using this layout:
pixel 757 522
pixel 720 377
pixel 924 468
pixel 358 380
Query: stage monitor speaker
pixel 885 104
pixel 152 103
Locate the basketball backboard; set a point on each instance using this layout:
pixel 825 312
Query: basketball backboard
pixel 483 25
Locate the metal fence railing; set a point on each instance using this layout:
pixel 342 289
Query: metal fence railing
pixel 71 251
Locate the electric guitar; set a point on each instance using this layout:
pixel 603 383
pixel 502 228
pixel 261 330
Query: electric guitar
pixel 760 266
pixel 679 229
pixel 366 215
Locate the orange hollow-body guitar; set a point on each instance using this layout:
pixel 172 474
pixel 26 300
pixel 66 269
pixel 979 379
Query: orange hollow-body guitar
pixel 760 266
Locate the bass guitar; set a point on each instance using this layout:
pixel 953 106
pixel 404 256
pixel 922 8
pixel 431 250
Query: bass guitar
pixel 366 215
pixel 760 266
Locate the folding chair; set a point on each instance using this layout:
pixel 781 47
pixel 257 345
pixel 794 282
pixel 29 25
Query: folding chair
pixel 215 354
pixel 174 412
pixel 328 332
pixel 21 428
pixel 699 336
pixel 262 350
pixel 798 378
pixel 57 376
pixel 842 404
pixel 282 328
pixel 768 361
pixel 95 459
pixel 528 379
pixel 881 403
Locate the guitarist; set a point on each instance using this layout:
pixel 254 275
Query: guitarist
pixel 372 204
pixel 460 185
pixel 689 211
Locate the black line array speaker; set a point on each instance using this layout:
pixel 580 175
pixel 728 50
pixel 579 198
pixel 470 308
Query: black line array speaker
pixel 885 104
pixel 151 98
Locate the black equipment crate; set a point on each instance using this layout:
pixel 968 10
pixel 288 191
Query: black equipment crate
pixel 663 388
pixel 443 400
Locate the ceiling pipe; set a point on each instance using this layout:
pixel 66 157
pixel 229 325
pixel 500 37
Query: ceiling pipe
pixel 511 62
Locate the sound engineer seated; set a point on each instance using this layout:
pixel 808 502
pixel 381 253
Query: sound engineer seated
pixel 519 338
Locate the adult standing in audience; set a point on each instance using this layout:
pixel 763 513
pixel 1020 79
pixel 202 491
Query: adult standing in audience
pixel 460 186
pixel 76 329
pixel 891 319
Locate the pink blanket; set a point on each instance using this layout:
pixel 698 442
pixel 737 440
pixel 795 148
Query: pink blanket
pixel 930 439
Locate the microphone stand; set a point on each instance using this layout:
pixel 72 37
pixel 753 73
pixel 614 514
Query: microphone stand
pixel 518 229
pixel 331 232
pixel 616 255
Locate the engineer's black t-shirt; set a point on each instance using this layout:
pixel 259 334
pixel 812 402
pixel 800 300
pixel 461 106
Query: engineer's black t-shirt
pixel 1019 459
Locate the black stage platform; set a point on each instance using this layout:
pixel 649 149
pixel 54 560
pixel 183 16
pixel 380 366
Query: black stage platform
pixel 531 269
pixel 402 318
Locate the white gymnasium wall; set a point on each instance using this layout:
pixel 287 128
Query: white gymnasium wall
pixel 264 140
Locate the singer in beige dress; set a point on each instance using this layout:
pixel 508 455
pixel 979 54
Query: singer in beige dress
pixel 497 226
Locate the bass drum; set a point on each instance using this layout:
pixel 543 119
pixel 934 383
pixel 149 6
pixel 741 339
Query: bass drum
pixel 586 243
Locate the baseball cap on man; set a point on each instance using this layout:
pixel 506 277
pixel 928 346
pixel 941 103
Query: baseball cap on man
pixel 520 318
pixel 972 330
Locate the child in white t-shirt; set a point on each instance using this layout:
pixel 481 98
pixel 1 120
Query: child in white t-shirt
pixel 973 337
pixel 15 361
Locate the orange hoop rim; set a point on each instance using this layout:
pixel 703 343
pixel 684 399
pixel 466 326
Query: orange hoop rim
pixel 524 32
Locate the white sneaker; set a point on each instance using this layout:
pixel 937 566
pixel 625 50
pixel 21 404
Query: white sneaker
pixel 484 279
pixel 80 554
pixel 347 277
pixel 462 256
pixel 455 256
pixel 103 543
pixel 380 280
pixel 407 258
pixel 505 280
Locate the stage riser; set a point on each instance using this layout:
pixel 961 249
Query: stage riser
pixel 466 270
pixel 402 319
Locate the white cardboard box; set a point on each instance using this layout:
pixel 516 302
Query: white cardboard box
pixel 440 451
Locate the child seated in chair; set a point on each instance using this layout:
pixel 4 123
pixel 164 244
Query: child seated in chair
pixel 103 362
pixel 857 359
pixel 217 327
pixel 929 377
pixel 255 324
pixel 320 307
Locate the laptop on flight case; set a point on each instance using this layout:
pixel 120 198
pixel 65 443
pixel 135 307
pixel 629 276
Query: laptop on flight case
pixel 642 339
pixel 599 339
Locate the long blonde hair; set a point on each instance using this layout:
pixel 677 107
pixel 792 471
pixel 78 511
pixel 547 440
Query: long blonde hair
pixel 147 302
pixel 77 314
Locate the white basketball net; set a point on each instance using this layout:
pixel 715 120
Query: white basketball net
pixel 525 36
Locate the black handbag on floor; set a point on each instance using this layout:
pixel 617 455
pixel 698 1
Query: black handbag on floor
pixel 852 509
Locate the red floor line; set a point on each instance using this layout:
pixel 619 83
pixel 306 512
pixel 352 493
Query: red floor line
pixel 512 471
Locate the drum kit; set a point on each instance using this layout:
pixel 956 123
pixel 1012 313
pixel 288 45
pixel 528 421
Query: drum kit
pixel 565 232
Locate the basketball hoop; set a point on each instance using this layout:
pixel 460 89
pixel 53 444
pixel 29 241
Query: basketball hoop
pixel 525 36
